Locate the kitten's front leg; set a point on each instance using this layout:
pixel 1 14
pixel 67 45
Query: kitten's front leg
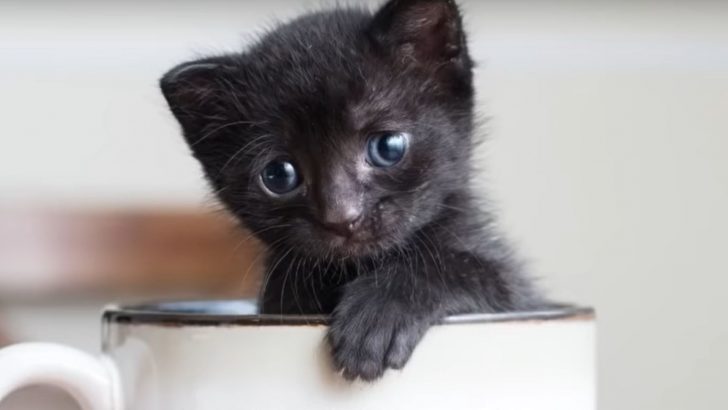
pixel 380 318
pixel 377 325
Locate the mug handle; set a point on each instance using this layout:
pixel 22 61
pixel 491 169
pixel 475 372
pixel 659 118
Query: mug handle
pixel 92 382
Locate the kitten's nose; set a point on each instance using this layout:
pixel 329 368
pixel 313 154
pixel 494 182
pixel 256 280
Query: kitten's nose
pixel 343 219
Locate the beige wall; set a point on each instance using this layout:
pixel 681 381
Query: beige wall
pixel 608 153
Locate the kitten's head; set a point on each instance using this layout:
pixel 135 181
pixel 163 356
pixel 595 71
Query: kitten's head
pixel 339 133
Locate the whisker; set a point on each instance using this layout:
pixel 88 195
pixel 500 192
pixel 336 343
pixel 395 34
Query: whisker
pixel 242 149
pixel 218 129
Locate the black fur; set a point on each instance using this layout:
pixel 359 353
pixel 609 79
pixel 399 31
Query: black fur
pixel 315 89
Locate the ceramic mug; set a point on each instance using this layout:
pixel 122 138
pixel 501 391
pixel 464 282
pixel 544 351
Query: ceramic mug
pixel 222 355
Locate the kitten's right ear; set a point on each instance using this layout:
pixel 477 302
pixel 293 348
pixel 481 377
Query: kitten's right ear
pixel 192 91
pixel 426 32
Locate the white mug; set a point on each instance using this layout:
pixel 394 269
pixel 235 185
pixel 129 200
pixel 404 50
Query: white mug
pixel 222 356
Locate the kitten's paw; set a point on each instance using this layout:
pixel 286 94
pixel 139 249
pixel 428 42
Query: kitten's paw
pixel 368 338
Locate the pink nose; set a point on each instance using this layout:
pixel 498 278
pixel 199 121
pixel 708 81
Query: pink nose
pixel 343 219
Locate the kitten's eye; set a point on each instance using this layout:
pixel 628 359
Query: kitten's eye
pixel 387 148
pixel 280 177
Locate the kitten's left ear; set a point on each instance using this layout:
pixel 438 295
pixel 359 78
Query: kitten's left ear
pixel 428 31
pixel 193 91
pixel 196 94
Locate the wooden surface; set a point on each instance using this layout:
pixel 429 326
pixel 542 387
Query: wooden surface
pixel 139 253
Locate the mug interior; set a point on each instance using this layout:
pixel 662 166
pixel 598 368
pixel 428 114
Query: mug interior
pixel 244 312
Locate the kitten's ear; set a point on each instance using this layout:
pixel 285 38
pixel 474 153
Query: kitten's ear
pixel 426 31
pixel 193 92
pixel 196 94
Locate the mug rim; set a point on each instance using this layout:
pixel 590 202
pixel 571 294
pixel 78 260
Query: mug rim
pixel 241 312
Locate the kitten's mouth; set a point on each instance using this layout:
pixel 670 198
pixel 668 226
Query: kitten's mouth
pixel 367 239
pixel 354 246
pixel 354 241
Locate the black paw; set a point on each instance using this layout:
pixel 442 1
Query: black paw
pixel 368 336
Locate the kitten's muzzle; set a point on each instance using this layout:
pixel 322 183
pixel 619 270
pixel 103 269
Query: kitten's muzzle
pixel 343 220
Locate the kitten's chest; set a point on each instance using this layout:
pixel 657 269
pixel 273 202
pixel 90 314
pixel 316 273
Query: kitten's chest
pixel 307 286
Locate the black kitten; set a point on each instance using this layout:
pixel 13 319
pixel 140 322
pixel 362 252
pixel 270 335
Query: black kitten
pixel 343 141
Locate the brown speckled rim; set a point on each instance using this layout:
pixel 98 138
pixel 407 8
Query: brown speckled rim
pixel 242 313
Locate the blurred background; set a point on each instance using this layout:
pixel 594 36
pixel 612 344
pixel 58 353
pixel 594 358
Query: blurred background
pixel 608 158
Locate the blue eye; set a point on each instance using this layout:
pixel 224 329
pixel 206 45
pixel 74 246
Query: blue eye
pixel 387 148
pixel 280 177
